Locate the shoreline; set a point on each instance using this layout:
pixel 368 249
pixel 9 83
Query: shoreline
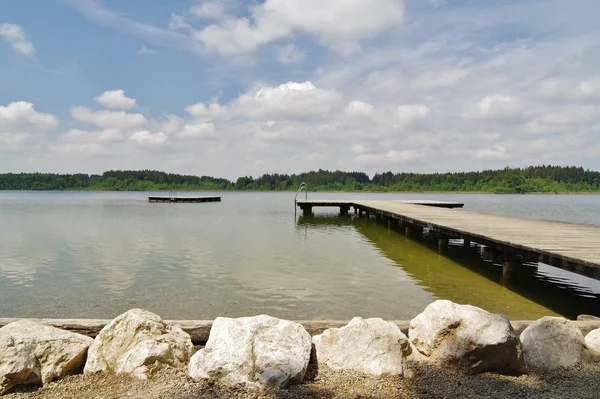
pixel 317 191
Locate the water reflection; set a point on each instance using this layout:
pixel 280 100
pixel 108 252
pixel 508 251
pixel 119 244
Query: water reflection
pixel 464 277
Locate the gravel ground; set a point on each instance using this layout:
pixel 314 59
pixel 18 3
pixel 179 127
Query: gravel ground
pixel 430 383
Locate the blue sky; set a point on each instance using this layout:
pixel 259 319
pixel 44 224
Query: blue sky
pixel 233 87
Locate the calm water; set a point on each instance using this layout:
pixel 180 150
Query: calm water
pixel 96 255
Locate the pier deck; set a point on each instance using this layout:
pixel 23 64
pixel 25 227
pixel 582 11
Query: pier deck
pixel 184 199
pixel 510 240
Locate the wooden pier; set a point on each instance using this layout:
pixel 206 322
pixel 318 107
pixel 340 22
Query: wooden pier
pixel 508 240
pixel 184 199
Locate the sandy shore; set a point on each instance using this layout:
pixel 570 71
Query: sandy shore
pixel 581 382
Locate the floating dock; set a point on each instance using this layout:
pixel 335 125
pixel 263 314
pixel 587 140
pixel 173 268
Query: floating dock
pixel 508 240
pixel 184 199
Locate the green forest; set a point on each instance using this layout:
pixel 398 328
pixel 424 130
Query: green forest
pixel 534 179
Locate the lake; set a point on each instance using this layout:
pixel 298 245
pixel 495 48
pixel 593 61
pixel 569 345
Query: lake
pixel 97 254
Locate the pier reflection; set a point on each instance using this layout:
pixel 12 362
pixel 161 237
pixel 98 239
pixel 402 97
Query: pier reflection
pixel 463 276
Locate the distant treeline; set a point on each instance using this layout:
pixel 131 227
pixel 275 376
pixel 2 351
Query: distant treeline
pixel 543 179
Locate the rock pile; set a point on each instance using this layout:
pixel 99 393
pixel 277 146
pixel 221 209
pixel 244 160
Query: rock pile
pixel 267 353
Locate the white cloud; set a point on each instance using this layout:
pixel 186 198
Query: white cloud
pixel 497 108
pixel 339 23
pixel 146 51
pixel 359 149
pixel 77 149
pixel 570 89
pixel 291 100
pixel 21 117
pixel 206 112
pixel 290 54
pixel 108 119
pixel 106 135
pixel 198 130
pixel 360 109
pixel 115 99
pixel 15 35
pixel 209 10
pixel 145 137
pixel 411 115
pixel 497 153
pixel 390 158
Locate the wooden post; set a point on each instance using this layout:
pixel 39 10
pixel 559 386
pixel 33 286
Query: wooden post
pixel 443 244
pixel 360 213
pixel 389 223
pixel 344 210
pixel 510 272
pixel 467 243
pixel 408 230
pixel 307 210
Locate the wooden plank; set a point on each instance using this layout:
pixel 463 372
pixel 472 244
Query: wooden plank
pixel 574 247
pixel 199 330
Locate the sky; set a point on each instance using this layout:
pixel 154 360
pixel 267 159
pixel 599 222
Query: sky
pixel 245 87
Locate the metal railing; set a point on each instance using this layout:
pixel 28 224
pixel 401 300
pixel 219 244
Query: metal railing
pixel 303 187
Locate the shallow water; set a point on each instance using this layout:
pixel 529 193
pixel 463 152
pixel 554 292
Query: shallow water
pixel 95 255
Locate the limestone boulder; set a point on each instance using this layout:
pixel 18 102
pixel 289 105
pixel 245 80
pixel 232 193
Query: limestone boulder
pixel 592 341
pixel 551 343
pixel 33 353
pixel 260 352
pixel 138 342
pixel 467 338
pixel 370 346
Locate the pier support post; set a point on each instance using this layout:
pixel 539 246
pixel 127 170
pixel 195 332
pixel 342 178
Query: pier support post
pixel 413 231
pixel 467 243
pixel 442 244
pixel 510 271
pixel 344 210
pixel 307 210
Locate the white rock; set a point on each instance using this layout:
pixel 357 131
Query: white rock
pixel 592 341
pixel 33 353
pixel 137 342
pixel 372 346
pixel 261 352
pixel 551 343
pixel 467 338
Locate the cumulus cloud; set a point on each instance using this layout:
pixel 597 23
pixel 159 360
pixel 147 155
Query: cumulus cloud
pixel 209 10
pixel 145 137
pixel 497 153
pixel 570 89
pixel 115 99
pixel 338 23
pixel 108 119
pixel 15 35
pixel 411 115
pixel 497 108
pixel 198 130
pixel 291 100
pixel 106 135
pixel 21 116
pixel 360 109
pixel 390 158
